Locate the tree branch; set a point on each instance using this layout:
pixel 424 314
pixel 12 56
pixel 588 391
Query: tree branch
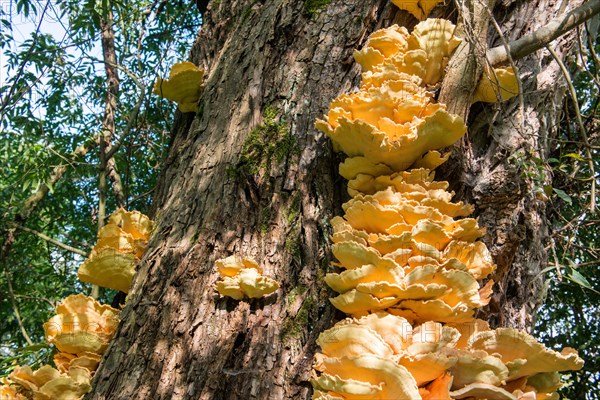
pixel 53 241
pixel 108 120
pixel 466 65
pixel 558 26
pixel 130 121
pixel 114 175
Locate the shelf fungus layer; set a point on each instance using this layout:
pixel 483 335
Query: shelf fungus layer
pixel 120 245
pixel 410 268
pixel 82 328
pixel 432 361
pixel 81 331
pixel 242 278
pixel 404 250
pixel 46 383
pixel 81 325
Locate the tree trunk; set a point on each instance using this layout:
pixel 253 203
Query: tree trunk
pixel 235 183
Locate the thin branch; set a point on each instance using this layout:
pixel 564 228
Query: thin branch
pixel 15 307
pixel 130 122
pixel 53 241
pixel 591 47
pixel 108 120
pixel 141 196
pixel 581 53
pixel 587 264
pixel 590 160
pixel 543 36
pixel 37 299
pixel 136 109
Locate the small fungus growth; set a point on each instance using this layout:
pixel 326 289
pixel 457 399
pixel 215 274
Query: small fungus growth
pixel 498 84
pixel 242 277
pixel 184 86
pixel 419 8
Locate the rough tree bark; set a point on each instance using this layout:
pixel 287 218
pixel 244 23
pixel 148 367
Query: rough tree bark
pixel 178 339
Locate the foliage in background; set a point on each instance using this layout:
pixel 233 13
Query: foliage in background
pixel 571 312
pixel 52 95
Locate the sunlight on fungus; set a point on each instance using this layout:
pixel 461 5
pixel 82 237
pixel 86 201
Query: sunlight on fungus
pixel 183 86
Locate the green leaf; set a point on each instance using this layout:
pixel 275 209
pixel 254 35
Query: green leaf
pixel 575 156
pixel 563 195
pixel 579 279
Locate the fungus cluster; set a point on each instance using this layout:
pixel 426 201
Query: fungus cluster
pixel 82 328
pixel 242 277
pixel 46 383
pixel 411 269
pixel 384 356
pixel 183 86
pixel 81 331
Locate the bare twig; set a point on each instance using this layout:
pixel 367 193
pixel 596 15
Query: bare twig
pixel 114 175
pixel 584 136
pixel 130 122
pixel 141 196
pixel 108 120
pixel 37 299
pixel 591 47
pixel 581 53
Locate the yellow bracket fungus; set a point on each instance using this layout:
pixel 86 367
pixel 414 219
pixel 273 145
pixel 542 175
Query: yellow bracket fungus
pixel 48 383
pixel 391 122
pixel 183 86
pixel 121 243
pixel 82 328
pixel 81 325
pixel 419 8
pixel 241 277
pixel 499 84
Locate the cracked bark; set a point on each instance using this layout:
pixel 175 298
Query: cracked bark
pixel 178 339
